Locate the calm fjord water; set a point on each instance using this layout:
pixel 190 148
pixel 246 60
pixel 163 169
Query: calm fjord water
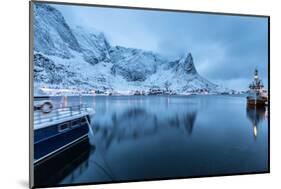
pixel 155 137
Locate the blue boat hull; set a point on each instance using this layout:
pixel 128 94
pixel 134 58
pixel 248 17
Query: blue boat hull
pixel 53 169
pixel 51 140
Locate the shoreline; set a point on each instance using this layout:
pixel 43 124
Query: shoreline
pixel 164 95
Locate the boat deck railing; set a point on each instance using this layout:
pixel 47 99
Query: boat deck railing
pixel 58 113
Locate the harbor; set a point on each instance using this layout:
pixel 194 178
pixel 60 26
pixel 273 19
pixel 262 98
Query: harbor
pixel 167 131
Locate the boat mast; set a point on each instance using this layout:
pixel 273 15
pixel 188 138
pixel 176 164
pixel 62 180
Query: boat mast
pixel 256 93
pixel 256 86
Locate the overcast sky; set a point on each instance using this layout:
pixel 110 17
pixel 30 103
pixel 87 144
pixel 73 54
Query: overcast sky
pixel 226 49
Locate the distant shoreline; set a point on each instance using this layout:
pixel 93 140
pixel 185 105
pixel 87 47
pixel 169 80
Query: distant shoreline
pixel 177 95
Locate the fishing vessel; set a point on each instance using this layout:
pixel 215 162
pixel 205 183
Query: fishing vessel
pixel 257 96
pixel 58 130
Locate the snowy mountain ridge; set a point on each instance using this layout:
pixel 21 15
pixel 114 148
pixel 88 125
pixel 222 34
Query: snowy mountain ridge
pixel 83 60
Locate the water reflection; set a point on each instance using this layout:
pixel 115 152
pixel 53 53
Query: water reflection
pixel 79 169
pixel 189 122
pixel 72 162
pixel 138 123
pixel 256 115
pixel 145 137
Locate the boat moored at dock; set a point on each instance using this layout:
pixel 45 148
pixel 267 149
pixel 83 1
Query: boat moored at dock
pixel 58 130
pixel 257 97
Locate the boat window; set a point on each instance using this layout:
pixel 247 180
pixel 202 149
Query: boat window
pixel 63 127
pixel 83 121
pixel 75 123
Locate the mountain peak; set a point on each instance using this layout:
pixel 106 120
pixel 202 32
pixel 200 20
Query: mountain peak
pixel 186 64
pixel 110 67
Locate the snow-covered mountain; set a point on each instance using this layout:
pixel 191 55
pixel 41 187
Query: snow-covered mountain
pixel 134 64
pixel 82 59
pixel 52 35
pixel 182 76
pixel 93 44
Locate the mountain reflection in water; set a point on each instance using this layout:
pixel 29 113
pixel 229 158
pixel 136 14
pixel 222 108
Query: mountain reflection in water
pixel 137 123
pixel 156 137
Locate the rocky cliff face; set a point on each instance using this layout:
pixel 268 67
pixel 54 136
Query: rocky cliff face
pixel 133 64
pixel 52 35
pixel 186 65
pixel 93 44
pixel 66 57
